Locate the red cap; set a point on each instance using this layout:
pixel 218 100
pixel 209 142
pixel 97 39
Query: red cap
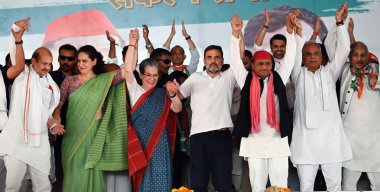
pixel 262 55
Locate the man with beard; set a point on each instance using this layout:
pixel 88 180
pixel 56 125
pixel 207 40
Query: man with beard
pixel 210 139
pixel 359 98
pixel 67 61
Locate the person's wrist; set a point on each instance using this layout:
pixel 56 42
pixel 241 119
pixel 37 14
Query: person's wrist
pixel 265 26
pixel 19 42
pixel 173 95
pixel 188 37
pixel 339 23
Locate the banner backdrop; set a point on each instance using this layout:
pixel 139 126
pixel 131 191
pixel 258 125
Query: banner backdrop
pixel 80 22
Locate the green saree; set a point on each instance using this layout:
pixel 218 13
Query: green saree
pixel 91 146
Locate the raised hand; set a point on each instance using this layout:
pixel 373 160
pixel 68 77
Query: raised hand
pixel 145 31
pixel 23 26
pixel 289 23
pixel 184 32
pixel 342 13
pixel 351 26
pixel 236 25
pixel 134 37
pixel 317 25
pixel 267 17
pixel 110 38
pixel 172 33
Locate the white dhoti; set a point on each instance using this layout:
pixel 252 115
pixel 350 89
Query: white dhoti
pixel 259 169
pixel 14 179
pixel 332 172
pixel 351 178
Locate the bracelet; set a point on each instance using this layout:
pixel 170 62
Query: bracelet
pixel 134 46
pixel 316 33
pixel 148 46
pixel 188 37
pixel 19 42
pixel 51 128
pixel 339 23
pixel 172 96
pixel 266 26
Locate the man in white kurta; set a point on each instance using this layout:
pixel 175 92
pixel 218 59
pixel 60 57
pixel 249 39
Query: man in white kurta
pixel 359 106
pixel 318 135
pixel 24 141
pixel 266 151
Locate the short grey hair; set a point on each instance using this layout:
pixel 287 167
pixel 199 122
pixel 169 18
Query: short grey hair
pixel 147 62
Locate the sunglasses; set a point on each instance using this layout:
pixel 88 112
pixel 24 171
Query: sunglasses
pixel 62 57
pixel 166 61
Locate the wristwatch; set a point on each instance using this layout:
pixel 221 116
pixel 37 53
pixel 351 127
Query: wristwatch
pixel 148 46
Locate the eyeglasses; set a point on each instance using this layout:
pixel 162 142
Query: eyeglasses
pixel 309 54
pixel 62 57
pixel 166 61
pixel 149 76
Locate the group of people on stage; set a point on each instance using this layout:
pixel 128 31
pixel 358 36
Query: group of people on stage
pixel 281 114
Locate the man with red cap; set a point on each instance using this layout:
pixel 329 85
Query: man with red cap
pixel 359 106
pixel 263 120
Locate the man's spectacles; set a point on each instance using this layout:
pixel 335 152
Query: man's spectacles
pixel 147 75
pixel 62 57
pixel 309 54
pixel 166 61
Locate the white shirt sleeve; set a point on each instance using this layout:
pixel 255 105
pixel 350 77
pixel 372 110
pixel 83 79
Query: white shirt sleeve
pixel 186 86
pixel 193 65
pixel 341 53
pixel 300 42
pixel 287 62
pixel 236 63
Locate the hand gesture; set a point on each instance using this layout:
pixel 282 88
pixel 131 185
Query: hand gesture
pixel 317 25
pixel 342 13
pixel 172 33
pixel 145 31
pixel 110 38
pixel 134 36
pixel 289 23
pixel 236 24
pixel 267 17
pixel 58 129
pixel 172 87
pixel 24 26
pixel 184 32
pixel 351 26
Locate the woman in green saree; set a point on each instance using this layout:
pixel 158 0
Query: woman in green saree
pixel 96 127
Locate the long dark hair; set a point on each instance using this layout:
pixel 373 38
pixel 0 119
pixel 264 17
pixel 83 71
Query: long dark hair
pixel 93 54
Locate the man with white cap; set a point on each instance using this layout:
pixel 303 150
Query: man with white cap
pixel 24 141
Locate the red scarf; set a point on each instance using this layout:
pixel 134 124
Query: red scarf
pixel 254 103
pixel 137 157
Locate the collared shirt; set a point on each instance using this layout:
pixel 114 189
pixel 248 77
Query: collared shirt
pixel 211 100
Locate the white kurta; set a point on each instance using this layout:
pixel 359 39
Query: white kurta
pixel 361 123
pixel 268 142
pixel 45 100
pixel 327 142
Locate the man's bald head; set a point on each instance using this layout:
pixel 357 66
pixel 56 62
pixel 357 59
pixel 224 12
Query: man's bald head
pixel 42 61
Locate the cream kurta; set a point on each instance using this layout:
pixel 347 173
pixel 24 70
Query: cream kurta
pixel 12 138
pixel 327 142
pixel 361 123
